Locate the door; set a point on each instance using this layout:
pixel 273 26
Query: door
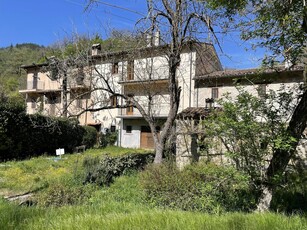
pixel 147 141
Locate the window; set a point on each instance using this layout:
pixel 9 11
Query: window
pixel 79 103
pixel 128 129
pixel 53 99
pixel 80 77
pixel 130 70
pixel 115 68
pixel 33 104
pixel 113 129
pixel 113 101
pixel 129 109
pixel 54 72
pixel 215 93
pixel 261 90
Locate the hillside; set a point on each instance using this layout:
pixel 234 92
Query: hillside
pixel 11 58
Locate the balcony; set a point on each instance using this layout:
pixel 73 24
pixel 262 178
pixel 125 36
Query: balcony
pixel 33 86
pixel 158 111
pixel 41 87
pixel 79 83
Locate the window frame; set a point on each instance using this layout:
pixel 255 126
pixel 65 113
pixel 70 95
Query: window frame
pixel 215 93
pixel 115 68
pixel 261 90
pixel 130 70
pixel 113 101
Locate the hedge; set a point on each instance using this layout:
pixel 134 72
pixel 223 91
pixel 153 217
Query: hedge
pixel 23 136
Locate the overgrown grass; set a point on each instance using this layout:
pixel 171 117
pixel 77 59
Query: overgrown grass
pixel 29 175
pixel 95 217
pixel 121 206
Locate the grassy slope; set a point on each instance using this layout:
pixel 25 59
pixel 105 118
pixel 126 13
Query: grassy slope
pixel 17 177
pixel 121 206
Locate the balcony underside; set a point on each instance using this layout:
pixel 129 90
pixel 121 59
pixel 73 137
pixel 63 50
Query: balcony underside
pixel 38 91
pixel 138 116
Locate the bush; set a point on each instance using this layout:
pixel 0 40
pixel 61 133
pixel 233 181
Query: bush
pixel 103 172
pixel 199 187
pixel 49 134
pixel 89 137
pixel 291 197
pixel 64 192
pixel 107 139
pixel 12 125
pixel 23 136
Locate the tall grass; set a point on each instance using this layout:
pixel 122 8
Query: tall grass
pixel 23 176
pixel 93 217
pixel 121 206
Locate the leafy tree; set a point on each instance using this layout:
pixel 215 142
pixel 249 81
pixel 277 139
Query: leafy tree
pixel 251 129
pixel 279 26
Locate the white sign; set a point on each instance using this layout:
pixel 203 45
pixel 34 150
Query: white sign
pixel 60 152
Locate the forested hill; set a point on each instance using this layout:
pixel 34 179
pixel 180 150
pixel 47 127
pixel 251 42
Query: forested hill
pixel 11 58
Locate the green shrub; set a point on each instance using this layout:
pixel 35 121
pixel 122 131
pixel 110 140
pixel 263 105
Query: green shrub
pixel 291 197
pixel 12 129
pixel 199 187
pixel 103 171
pixel 89 137
pixel 107 139
pixel 64 192
pixel 49 134
pixel 24 136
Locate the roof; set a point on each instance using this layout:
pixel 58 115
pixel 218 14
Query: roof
pixel 249 72
pixel 146 50
pixel 194 113
pixel 33 65
pixel 124 54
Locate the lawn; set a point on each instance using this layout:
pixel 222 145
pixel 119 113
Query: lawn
pixel 120 206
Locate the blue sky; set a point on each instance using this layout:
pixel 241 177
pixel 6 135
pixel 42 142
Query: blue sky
pixel 45 22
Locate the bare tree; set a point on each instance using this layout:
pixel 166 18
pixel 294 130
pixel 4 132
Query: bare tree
pixel 178 23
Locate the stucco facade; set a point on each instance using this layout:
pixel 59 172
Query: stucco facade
pixel 216 85
pixel 142 73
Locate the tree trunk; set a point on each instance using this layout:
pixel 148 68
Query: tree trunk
pixel 281 157
pixel 264 200
pixel 159 153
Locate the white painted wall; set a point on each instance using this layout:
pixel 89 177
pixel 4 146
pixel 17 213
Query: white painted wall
pixel 232 91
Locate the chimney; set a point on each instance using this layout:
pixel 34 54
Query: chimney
pixel 96 49
pixel 156 40
pixel 153 40
pixel 288 64
pixel 149 40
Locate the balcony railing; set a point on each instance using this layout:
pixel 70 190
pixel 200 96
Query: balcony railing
pixel 35 85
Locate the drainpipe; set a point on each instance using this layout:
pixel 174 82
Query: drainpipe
pixel 65 92
pixel 190 94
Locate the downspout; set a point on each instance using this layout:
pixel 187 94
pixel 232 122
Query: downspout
pixel 86 102
pixel 190 94
pixel 119 143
